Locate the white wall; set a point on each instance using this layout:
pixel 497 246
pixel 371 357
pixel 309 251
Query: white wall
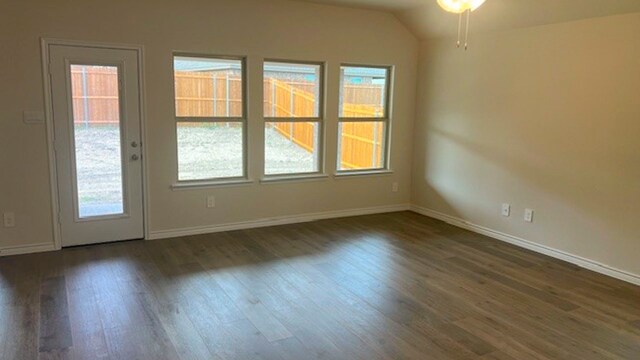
pixel 255 28
pixel 545 118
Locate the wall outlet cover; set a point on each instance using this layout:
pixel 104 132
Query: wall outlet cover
pixel 506 210
pixel 528 215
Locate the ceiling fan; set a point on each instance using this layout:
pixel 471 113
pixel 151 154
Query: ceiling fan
pixel 461 7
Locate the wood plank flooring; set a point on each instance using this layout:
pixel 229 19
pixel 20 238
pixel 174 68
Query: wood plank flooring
pixel 391 286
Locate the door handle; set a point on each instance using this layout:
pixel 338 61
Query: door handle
pixel 134 144
pixel 134 157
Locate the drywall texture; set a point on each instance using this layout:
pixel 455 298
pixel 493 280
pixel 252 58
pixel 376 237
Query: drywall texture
pixel 255 28
pixel 545 118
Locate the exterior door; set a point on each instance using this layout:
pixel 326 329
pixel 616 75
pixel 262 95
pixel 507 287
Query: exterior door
pixel 96 116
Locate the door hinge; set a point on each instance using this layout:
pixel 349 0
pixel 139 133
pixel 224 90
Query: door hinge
pixel 59 218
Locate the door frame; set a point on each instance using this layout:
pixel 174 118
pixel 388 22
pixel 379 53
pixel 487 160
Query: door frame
pixel 45 43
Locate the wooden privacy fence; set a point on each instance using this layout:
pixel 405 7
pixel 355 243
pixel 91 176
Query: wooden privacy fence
pixel 362 143
pixel 363 101
pixel 301 133
pixel 362 111
pixel 289 99
pixel 94 93
pixel 207 94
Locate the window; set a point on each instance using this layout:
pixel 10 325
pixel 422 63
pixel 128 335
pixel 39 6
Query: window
pixel 210 117
pixel 97 140
pixel 293 112
pixel 364 118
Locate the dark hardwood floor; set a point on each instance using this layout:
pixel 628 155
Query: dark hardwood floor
pixel 392 286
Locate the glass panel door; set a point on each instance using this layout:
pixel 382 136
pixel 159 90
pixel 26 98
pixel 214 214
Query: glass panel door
pixel 97 141
pixel 95 98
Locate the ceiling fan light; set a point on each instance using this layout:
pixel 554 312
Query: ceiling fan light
pixel 460 6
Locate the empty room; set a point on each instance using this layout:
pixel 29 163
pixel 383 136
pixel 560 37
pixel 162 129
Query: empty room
pixel 320 179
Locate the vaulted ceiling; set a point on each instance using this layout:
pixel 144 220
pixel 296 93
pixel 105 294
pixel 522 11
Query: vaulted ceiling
pixel 427 20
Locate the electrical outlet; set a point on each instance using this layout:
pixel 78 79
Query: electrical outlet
pixel 506 210
pixel 528 215
pixel 394 187
pixel 9 219
pixel 211 201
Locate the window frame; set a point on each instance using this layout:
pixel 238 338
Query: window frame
pixel 320 120
pixel 243 119
pixel 385 119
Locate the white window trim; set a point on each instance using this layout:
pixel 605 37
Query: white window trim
pixel 300 177
pixel 221 181
pixel 201 184
pixel 348 174
pixel 386 119
pixel 320 120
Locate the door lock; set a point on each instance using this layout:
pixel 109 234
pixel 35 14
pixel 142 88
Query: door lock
pixel 134 144
pixel 134 157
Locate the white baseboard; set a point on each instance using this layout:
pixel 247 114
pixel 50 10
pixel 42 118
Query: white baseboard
pixel 283 220
pixel 26 249
pixel 280 220
pixel 542 249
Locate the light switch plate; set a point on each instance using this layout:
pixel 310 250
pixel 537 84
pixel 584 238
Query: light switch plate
pixel 33 117
pixel 9 219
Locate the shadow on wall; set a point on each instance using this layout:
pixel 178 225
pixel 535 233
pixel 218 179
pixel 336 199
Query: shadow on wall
pixel 532 119
pixel 456 168
pixel 436 198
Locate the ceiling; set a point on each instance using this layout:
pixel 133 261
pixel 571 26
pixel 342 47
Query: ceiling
pixel 427 20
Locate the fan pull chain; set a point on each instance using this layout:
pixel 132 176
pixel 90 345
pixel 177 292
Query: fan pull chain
pixel 466 35
pixel 466 29
pixel 459 29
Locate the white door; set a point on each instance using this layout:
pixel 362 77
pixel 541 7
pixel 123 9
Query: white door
pixel 96 115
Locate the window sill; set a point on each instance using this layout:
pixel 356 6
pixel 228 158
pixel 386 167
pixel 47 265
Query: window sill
pixel 189 185
pixel 361 173
pixel 292 178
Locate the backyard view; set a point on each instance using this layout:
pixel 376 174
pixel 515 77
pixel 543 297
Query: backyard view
pixel 97 140
pixel 212 88
pixel 208 89
pixel 213 150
